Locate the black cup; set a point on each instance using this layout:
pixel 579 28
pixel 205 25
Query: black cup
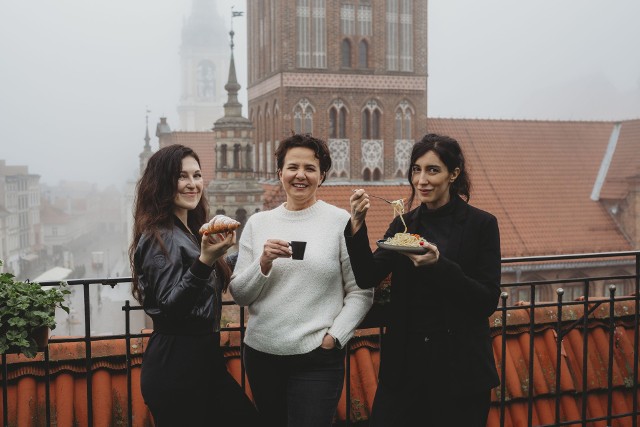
pixel 297 249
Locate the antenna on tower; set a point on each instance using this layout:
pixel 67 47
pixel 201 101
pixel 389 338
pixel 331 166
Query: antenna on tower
pixel 234 14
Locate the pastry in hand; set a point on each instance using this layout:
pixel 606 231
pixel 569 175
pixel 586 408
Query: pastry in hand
pixel 219 224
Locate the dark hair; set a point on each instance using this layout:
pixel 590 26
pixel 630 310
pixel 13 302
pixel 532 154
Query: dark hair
pixel 450 153
pixel 153 207
pixel 318 146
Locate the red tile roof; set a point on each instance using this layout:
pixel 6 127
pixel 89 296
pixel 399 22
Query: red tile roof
pixel 537 178
pixel 68 386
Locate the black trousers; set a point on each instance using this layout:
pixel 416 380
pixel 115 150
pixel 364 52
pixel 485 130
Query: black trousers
pixel 393 408
pixel 296 391
pixel 423 398
pixel 185 382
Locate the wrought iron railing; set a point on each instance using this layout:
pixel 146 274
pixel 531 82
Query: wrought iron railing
pixel 588 302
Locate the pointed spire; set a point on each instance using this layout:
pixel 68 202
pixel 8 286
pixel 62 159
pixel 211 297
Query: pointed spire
pixel 232 108
pixel 146 151
pixel 147 146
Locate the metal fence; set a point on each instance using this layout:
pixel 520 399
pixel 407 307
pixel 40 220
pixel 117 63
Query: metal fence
pixel 588 302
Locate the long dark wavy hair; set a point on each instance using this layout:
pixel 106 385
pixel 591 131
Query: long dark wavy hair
pixel 450 153
pixel 153 208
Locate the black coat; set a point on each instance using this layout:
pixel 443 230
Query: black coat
pixel 468 275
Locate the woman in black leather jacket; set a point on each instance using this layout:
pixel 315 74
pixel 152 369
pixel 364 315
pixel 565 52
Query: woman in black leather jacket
pixel 179 277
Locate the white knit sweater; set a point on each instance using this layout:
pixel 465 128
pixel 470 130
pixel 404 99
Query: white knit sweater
pixel 298 301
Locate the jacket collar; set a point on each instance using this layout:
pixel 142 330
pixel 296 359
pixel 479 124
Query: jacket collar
pixel 460 213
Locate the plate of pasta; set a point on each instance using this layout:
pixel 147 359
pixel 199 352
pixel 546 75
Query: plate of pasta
pixel 404 242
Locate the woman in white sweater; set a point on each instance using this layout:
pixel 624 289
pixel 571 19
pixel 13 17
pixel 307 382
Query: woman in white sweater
pixel 301 311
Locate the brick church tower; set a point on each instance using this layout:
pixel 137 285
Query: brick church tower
pixel 352 72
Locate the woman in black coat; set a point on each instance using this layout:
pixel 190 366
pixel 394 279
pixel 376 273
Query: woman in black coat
pixel 437 362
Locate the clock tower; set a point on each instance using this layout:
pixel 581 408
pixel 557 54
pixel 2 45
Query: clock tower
pixel 203 71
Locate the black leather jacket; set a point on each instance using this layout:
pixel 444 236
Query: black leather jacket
pixel 180 293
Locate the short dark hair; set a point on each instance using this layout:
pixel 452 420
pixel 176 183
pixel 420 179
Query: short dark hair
pixel 318 146
pixel 450 153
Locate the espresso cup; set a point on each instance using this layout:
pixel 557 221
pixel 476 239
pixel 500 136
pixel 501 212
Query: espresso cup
pixel 297 249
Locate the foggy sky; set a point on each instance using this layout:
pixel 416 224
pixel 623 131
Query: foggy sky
pixel 77 76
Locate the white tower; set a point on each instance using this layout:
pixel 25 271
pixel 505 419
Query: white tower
pixel 204 61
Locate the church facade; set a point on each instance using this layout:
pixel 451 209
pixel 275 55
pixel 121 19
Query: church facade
pixel 353 73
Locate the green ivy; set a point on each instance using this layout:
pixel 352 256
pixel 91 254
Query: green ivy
pixel 25 306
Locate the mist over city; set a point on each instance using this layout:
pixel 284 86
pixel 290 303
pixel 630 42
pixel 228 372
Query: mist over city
pixel 77 78
pixel 493 147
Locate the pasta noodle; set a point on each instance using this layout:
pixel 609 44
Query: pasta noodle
pixel 403 239
pixel 406 239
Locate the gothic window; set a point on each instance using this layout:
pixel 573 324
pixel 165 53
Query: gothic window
pixel 404 120
pixel 399 35
pixel 364 20
pixel 346 53
pixel 303 117
pixel 363 54
pixel 406 36
pixel 375 124
pixel 371 120
pixel 337 120
pixel 347 19
pixel 366 175
pixel 312 37
pixel 366 124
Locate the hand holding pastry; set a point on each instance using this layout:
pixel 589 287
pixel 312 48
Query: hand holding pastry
pixel 219 224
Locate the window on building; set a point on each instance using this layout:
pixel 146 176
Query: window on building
pixel 399 22
pixel 366 124
pixel 311 31
pixel 347 19
pixel 363 54
pixel 346 53
pixel 365 20
pixel 404 119
pixel 236 156
pixel 223 156
pixel 337 120
pixel 371 120
pixel 303 117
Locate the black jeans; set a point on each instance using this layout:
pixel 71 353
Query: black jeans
pixel 393 408
pixel 185 382
pixel 423 396
pixel 296 391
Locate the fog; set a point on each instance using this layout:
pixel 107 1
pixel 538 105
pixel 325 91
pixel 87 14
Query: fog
pixel 77 77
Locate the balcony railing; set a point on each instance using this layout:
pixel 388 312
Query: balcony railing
pixel 544 372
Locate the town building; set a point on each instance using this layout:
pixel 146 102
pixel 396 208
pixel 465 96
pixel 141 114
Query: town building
pixel 20 228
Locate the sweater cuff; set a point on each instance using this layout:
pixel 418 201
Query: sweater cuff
pixel 201 270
